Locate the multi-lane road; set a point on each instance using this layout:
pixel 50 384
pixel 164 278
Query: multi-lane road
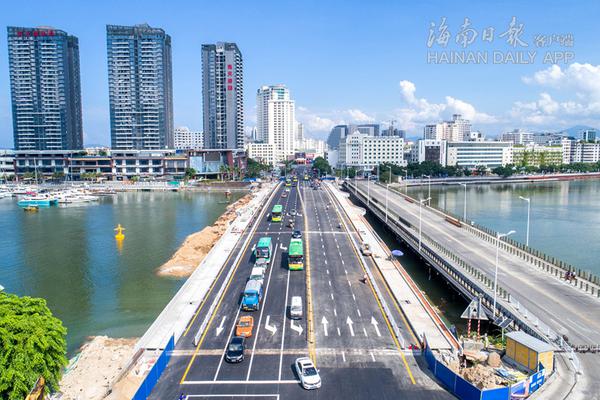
pixel 344 328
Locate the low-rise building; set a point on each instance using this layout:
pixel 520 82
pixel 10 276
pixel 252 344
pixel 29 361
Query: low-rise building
pixel 431 150
pixel 533 155
pixel 186 139
pixel 7 163
pixel 364 152
pixel 471 155
pixel 576 151
pixel 261 152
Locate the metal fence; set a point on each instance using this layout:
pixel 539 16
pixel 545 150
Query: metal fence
pixel 157 369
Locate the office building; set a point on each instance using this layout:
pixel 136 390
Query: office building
pixel 299 132
pixel 186 139
pixel 140 87
pixel 431 150
pixel 394 132
pixel 588 135
pixel 276 119
pixel 339 132
pixel 576 151
pixel 364 152
pixel 45 89
pixel 223 96
pixel 261 152
pixel 518 136
pixel 471 155
pixel 458 129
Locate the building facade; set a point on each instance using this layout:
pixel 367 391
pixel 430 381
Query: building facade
pixel 276 119
pixel 576 151
pixel 533 155
pixel 140 87
pixel 186 139
pixel 7 164
pixel 364 152
pixel 261 152
pixel 456 130
pixel 471 155
pixel 45 89
pixel 431 150
pixel 518 136
pixel 223 96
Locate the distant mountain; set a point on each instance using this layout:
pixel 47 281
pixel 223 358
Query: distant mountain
pixel 576 130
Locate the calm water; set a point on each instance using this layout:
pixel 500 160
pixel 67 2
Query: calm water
pixel 69 257
pixel 565 216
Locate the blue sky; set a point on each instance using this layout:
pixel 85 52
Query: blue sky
pixel 344 61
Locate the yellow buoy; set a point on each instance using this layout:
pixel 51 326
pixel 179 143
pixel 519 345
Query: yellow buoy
pixel 119 235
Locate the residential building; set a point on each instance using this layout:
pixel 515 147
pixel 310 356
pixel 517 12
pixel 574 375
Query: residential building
pixel 364 151
pixel 411 152
pixel 186 139
pixel 471 155
pixel 299 132
pixel 261 152
pixel 455 130
pixel 518 136
pixel 576 151
pixel 431 150
pixel 7 164
pixel 588 135
pixel 276 119
pixel 140 87
pixel 533 155
pixel 45 89
pixel 223 96
pixel 547 138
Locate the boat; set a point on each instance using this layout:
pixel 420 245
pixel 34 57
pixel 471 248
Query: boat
pixel 31 208
pixel 42 199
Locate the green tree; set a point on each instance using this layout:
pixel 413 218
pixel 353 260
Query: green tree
pixel 190 173
pixel 322 166
pixel 255 168
pixel 57 175
pixel 33 344
pixel 504 172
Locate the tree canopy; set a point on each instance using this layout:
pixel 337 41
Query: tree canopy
pixel 33 344
pixel 322 166
pixel 255 168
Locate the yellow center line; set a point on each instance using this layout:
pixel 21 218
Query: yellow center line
pixel 387 322
pixel 189 366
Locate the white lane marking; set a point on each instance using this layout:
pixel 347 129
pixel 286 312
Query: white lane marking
pixel 297 328
pixel 324 322
pixel 344 356
pixel 329 283
pixel 353 296
pixel 270 328
pixel 325 262
pixel 287 287
pixel 349 283
pixel 227 343
pixel 226 382
pixel 350 323
pixel 339 332
pixel 331 296
pixel 365 331
pixel 372 355
pixel 327 272
pixel 345 271
pixel 220 327
pixel 358 311
pixel 375 325
pixel 335 312
pixel 262 309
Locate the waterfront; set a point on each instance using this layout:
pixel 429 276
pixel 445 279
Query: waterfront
pixel 564 220
pixel 68 255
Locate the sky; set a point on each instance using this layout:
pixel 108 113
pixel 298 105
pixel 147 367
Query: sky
pixel 352 61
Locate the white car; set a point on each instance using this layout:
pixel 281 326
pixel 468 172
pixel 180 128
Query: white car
pixel 308 374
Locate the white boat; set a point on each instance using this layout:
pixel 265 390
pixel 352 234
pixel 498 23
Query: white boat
pixel 42 199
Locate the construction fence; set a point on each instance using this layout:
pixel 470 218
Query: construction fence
pixel 154 375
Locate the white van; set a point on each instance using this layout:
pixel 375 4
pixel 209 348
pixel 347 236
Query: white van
pixel 257 274
pixel 296 307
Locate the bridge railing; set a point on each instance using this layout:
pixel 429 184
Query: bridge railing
pixel 471 281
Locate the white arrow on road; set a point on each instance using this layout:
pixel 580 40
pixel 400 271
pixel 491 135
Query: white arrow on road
pixel 220 327
pixel 349 322
pixel 375 323
pixel 297 328
pixel 324 322
pixel 270 328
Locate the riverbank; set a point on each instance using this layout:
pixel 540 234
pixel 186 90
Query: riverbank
pixel 483 180
pixel 98 364
pixel 197 245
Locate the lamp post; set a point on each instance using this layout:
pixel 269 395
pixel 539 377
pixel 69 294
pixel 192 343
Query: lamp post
pixel 387 189
pixel 428 186
pixel 465 202
pixel 368 190
pixel 498 237
pixel 420 223
pixel 528 200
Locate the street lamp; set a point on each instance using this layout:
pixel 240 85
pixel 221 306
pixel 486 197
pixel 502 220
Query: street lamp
pixel 498 237
pixel 428 186
pixel 465 202
pixel 528 200
pixel 387 189
pixel 420 207
pixel 368 190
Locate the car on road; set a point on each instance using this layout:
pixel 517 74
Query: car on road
pixel 235 350
pixel 257 274
pixel 293 212
pixel 307 373
pixel 297 235
pixel 365 249
pixel 296 307
pixel 261 263
pixel 284 195
pixel 244 326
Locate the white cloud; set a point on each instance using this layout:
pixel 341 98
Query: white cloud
pixel 357 115
pixel 322 122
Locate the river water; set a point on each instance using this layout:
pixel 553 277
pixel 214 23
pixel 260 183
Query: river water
pixel 68 255
pixel 564 218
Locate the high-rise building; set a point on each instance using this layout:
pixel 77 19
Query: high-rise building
pixel 186 139
pixel 276 119
pixel 223 96
pixel 365 152
pixel 517 136
pixel 45 89
pixel 140 87
pixel 339 132
pixel 456 130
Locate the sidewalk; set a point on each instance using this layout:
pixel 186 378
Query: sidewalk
pixel 419 313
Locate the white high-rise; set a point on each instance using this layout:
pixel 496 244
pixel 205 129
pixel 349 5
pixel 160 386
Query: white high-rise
pixel 276 120
pixel 457 130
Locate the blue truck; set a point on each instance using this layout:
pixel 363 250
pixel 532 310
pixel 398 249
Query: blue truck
pixel 252 295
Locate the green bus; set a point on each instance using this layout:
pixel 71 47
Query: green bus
pixel 264 249
pixel 296 255
pixel 277 213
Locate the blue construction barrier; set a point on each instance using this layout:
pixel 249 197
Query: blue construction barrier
pixel 157 369
pixel 467 391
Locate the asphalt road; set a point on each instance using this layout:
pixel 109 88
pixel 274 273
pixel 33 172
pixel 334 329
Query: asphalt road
pixel 565 309
pixel 357 355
